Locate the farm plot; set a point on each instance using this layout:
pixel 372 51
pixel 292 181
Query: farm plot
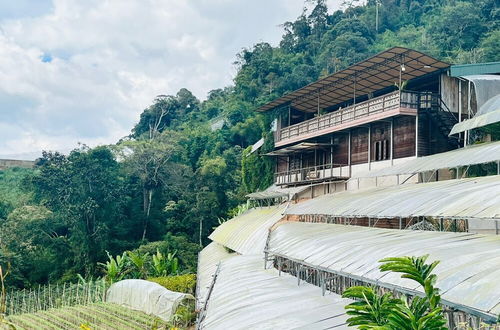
pixel 93 316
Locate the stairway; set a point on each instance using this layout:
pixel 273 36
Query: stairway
pixel 441 116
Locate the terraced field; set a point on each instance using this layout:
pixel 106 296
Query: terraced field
pixel 94 316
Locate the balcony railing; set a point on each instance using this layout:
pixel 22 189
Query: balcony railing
pixel 368 108
pixel 312 174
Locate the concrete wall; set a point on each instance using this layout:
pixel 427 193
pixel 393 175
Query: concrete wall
pixel 9 163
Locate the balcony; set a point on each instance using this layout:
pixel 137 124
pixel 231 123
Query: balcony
pixel 385 106
pixel 319 173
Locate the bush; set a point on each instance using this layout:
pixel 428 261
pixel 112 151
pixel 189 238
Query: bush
pixel 180 283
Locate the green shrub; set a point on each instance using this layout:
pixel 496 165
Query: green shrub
pixel 180 283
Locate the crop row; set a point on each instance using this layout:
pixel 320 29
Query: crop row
pixel 93 316
pixel 54 296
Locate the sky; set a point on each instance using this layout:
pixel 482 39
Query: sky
pixel 82 71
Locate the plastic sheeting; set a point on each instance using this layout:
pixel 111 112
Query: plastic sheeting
pixel 467 274
pixel 477 198
pixel 247 233
pixel 245 296
pixel 208 261
pixel 470 155
pixel 487 88
pixel 148 297
pixel 276 192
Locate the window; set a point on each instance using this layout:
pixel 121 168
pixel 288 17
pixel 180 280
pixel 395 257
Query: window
pixel 382 150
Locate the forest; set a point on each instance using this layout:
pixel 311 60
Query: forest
pixel 186 165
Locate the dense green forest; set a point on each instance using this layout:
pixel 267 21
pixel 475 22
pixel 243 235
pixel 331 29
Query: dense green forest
pixel 178 174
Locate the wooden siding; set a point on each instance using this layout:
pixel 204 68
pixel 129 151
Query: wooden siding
pixel 359 146
pixel 341 149
pixel 404 137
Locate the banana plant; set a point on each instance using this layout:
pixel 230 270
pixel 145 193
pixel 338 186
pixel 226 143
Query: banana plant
pixel 375 311
pixel 139 263
pixel 164 265
pixel 115 268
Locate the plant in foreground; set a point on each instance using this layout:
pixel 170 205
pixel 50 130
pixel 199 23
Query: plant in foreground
pixel 3 299
pixel 374 311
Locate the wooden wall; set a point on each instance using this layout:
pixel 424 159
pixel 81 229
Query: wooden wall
pixel 359 145
pixel 341 149
pixel 404 137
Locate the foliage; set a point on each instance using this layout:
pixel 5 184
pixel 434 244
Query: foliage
pixel 180 283
pixel 185 315
pixel 376 311
pixel 164 265
pixel 139 265
pixel 115 268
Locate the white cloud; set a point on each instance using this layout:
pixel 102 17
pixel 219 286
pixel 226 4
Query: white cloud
pixel 106 60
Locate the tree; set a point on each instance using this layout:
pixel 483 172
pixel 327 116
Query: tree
pixel 149 160
pixel 85 193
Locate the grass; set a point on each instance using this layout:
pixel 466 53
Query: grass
pixel 93 316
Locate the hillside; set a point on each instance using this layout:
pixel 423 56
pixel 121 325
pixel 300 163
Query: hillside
pixel 185 166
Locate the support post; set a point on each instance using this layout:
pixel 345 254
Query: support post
pixel 391 150
pixel 349 153
pixel 416 135
pixel 369 146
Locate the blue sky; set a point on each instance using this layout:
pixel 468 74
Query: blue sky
pixel 83 70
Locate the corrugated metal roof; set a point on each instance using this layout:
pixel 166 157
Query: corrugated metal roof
pixel 464 198
pixel 471 69
pixel 375 73
pixel 467 274
pixel 470 155
pixel 247 233
pixel 245 296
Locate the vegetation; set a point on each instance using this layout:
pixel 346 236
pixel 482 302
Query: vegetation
pixel 166 185
pixel 140 266
pixel 384 311
pixel 93 316
pixel 180 283
pixel 54 296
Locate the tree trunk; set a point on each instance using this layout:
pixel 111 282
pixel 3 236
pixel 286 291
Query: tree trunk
pixel 148 196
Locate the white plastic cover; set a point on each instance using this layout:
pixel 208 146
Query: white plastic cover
pixel 467 274
pixel 487 89
pixel 145 296
pixel 247 233
pixel 470 198
pixel 246 296
pixel 208 260
pixel 470 155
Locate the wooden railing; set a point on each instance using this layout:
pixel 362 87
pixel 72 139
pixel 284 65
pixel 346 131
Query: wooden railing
pixel 364 109
pixel 312 173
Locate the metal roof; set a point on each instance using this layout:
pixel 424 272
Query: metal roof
pixel 471 69
pixel 468 198
pixel 470 155
pixel 247 233
pixel 301 147
pixel 467 274
pixel 246 296
pixel 373 74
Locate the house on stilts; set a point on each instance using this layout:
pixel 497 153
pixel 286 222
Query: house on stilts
pixel 384 158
